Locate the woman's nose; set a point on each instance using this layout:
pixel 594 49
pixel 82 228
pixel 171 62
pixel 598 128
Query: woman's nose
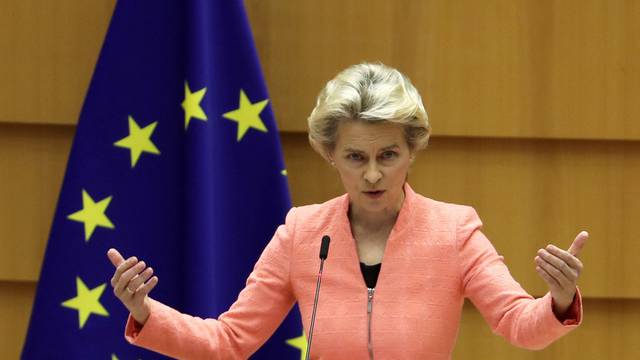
pixel 372 175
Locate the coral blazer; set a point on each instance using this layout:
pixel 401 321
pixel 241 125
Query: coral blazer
pixel 435 257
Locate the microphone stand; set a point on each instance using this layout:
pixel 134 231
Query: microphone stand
pixel 324 251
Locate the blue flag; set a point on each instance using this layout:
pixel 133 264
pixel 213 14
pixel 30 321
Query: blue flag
pixel 176 160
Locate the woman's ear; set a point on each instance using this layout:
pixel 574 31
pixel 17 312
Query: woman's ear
pixel 327 154
pixel 322 151
pixel 329 157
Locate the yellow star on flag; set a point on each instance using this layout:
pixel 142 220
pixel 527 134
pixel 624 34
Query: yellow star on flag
pixel 114 357
pixel 191 105
pixel 300 343
pixel 87 302
pixel 139 140
pixel 283 172
pixel 247 115
pixel 92 214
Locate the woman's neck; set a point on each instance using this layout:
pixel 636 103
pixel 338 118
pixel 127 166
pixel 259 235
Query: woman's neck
pixel 370 221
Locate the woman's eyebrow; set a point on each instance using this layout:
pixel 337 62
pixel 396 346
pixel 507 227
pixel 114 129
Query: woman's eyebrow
pixel 350 149
pixel 390 147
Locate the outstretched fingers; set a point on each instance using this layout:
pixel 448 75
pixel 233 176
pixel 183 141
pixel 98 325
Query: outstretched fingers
pixel 555 268
pixel 140 279
pixel 146 288
pixel 123 282
pixel 572 262
pixel 551 282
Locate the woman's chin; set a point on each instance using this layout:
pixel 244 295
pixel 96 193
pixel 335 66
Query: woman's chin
pixel 374 204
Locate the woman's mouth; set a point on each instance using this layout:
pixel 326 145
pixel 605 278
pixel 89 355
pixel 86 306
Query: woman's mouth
pixel 374 194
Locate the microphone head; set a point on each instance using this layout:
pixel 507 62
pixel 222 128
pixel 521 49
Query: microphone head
pixel 324 247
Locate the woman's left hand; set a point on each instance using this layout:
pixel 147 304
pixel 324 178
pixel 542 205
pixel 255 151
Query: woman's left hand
pixel 560 269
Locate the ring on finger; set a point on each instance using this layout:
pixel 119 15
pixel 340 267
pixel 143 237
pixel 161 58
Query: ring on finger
pixel 131 292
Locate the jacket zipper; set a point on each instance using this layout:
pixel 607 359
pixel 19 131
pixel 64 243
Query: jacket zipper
pixel 370 292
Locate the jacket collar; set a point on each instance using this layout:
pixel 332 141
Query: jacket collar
pixel 402 221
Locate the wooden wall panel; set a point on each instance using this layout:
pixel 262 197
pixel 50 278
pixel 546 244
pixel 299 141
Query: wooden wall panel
pixel 48 51
pixel 32 164
pixel 16 299
pixel 499 68
pixel 609 331
pixel 528 192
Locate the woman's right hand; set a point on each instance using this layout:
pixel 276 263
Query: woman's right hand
pixel 130 284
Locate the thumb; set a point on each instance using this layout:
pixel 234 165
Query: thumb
pixel 578 243
pixel 115 257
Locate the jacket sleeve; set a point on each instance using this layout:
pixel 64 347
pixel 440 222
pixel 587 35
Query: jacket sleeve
pixel 237 333
pixel 509 310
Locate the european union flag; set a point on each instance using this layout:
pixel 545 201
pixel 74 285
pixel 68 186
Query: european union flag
pixel 177 160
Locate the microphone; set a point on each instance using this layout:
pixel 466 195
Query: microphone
pixel 324 251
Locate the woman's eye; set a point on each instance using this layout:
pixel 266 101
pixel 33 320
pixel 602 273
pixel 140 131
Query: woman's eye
pixel 354 157
pixel 388 155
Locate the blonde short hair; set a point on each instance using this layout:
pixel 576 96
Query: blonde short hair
pixel 373 93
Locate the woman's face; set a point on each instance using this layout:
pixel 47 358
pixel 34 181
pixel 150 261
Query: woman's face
pixel 373 161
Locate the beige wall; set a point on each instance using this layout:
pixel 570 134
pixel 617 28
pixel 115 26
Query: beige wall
pixel 534 107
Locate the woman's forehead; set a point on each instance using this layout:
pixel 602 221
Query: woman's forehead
pixel 360 135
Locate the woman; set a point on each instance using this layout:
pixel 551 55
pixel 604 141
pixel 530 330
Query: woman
pixel 400 266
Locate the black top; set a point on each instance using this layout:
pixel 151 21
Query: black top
pixel 370 274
